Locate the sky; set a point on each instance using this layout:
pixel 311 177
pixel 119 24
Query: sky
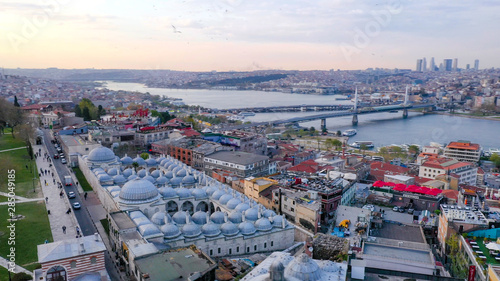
pixel 244 35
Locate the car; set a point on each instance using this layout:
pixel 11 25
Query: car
pixel 61 154
pixel 402 209
pixel 369 207
pixel 59 150
pixel 76 205
pixel 410 211
pixel 56 156
pixel 71 195
pixel 395 209
pixel 63 160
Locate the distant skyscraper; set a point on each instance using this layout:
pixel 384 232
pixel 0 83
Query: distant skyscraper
pixel 424 64
pixel 447 64
pixel 455 64
pixel 441 67
pixel 468 66
pixel 433 64
pixel 419 65
pixel 476 64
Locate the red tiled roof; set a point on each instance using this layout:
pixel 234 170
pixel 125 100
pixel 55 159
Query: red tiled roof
pixel 451 194
pixel 463 145
pixel 189 133
pixel 380 169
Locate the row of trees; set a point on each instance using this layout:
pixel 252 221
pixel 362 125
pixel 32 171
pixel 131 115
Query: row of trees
pixel 10 116
pixel 88 110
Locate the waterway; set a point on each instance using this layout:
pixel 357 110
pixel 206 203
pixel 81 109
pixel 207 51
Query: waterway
pixel 381 128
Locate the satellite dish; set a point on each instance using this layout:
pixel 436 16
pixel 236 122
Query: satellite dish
pixel 310 249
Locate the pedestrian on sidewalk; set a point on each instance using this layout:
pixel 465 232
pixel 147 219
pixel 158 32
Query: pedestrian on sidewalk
pixel 61 194
pixel 85 195
pixel 64 229
pixel 45 182
pixel 46 199
pixel 54 180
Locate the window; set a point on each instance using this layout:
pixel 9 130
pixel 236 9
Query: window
pixel 93 260
pixel 73 264
pixel 230 251
pixel 218 251
pixel 211 252
pixel 265 245
pixel 238 249
pixel 272 243
pixel 248 249
pixel 255 247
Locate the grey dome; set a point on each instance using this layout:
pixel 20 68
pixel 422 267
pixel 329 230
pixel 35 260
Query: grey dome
pixel 191 230
pixel 119 179
pixel 142 173
pixel 211 189
pixel 138 190
pixel 177 169
pixel 113 172
pixel 162 180
pixel 218 194
pixel 180 217
pixel 277 267
pixel 98 171
pixel 172 167
pixel 140 161
pixel 217 217
pixel 235 217
pixel 278 221
pixel 127 172
pixel 176 181
pixel 232 203
pixel 151 162
pixel 252 214
pixel 247 228
pixel 199 217
pixel 170 230
pixel 132 177
pixel 167 192
pixel 101 154
pixel 242 207
pixel 210 229
pixel 181 173
pixel 169 174
pixel 183 192
pixel 225 198
pixel 229 229
pixel 127 160
pixel 303 268
pixel 263 224
pixel 155 174
pixel 150 179
pixel 268 213
pixel 149 230
pixel 198 193
pixel 104 177
pixel 141 221
pixel 136 214
pixel 162 160
pixel 159 218
pixel 188 180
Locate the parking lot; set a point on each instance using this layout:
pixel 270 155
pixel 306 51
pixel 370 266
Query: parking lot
pixel 391 215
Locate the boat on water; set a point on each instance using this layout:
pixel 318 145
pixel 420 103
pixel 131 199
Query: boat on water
pixel 247 113
pixel 349 133
pixel 342 98
pixel 358 144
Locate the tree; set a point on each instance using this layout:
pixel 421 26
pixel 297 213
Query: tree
pixel 15 117
pixel 495 158
pixel 78 111
pixel 339 133
pixel 16 103
pixel 363 147
pixel 135 165
pixel 25 132
pixel 101 110
pixel 86 114
pixel 413 149
pixel 145 156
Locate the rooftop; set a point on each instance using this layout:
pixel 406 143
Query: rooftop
pixel 122 220
pixel 463 145
pixel 463 215
pixel 410 233
pixel 70 248
pixel 237 157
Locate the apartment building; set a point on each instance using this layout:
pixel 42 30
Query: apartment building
pixel 463 151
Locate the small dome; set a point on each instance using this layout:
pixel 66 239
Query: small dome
pixel 167 192
pixel 277 266
pixel 155 174
pixel 127 172
pixel 101 154
pixel 176 182
pixel 199 217
pixel 162 181
pixel 142 173
pixel 183 192
pixel 132 177
pixel 225 198
pixel 252 214
pixel 127 160
pixel 242 207
pixel 247 228
pixel 303 268
pixel 172 167
pixel 211 189
pixel 170 230
pixel 232 203
pixel 278 221
pixel 217 217
pixel 330 266
pixel 268 213
pixel 159 218
pixel 181 173
pixel 136 214
pixel 113 172
pixel 104 178
pixel 169 174
pixel 149 230
pixel 235 217
pixel 218 194
pixel 140 161
pixel 188 180
pixel 177 169
pixel 151 162
pixel 179 217
pixel 191 230
pixel 138 190
pixel 141 221
pixel 149 178
pixel 229 229
pixel 119 179
pixel 198 193
pixel 263 224
pixel 210 229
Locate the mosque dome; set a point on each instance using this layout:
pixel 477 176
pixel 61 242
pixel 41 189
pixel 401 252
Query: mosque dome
pixel 104 178
pixel 119 179
pixel 151 162
pixel 132 177
pixel 159 218
pixel 199 217
pixel 217 217
pixel 162 161
pixel 263 224
pixel 210 229
pixel 162 180
pixel 218 194
pixel 235 217
pixel 252 214
pixel 183 192
pixel 268 213
pixel 188 180
pixel 149 178
pixel 169 174
pixel 138 190
pixel 247 228
pixel 198 193
pixel 148 230
pixel 229 229
pixel 127 172
pixel 141 221
pixel 140 161
pixel 113 172
pixel 232 203
pixel 303 268
pixel 136 214
pixel 142 173
pixel 176 181
pixel 170 230
pixel 330 266
pixel 211 189
pixel 155 174
pixel 278 221
pixel 127 160
pixel 101 154
pixel 179 217
pixel 191 230
pixel 181 173
pixel 167 192
pixel 225 198
pixel 242 207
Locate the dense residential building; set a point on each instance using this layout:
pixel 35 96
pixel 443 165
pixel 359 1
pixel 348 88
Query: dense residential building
pixel 148 135
pixel 444 166
pixel 301 207
pixel 463 151
pixel 239 163
pixel 240 140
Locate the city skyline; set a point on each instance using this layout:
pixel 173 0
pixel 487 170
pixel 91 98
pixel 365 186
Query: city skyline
pixel 236 35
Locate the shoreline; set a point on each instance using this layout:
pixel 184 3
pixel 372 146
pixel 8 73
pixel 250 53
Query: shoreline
pixel 491 118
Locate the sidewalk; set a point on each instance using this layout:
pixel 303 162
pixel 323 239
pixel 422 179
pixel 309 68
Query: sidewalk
pixel 55 204
pixel 5 150
pixel 5 263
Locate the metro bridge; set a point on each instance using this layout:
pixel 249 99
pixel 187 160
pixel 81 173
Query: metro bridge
pixel 290 108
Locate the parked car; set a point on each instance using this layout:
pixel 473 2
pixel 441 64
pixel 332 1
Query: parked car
pixel 76 205
pixel 71 195
pixel 56 156
pixel 395 209
pixel 402 209
pixel 63 160
pixel 369 207
pixel 410 211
